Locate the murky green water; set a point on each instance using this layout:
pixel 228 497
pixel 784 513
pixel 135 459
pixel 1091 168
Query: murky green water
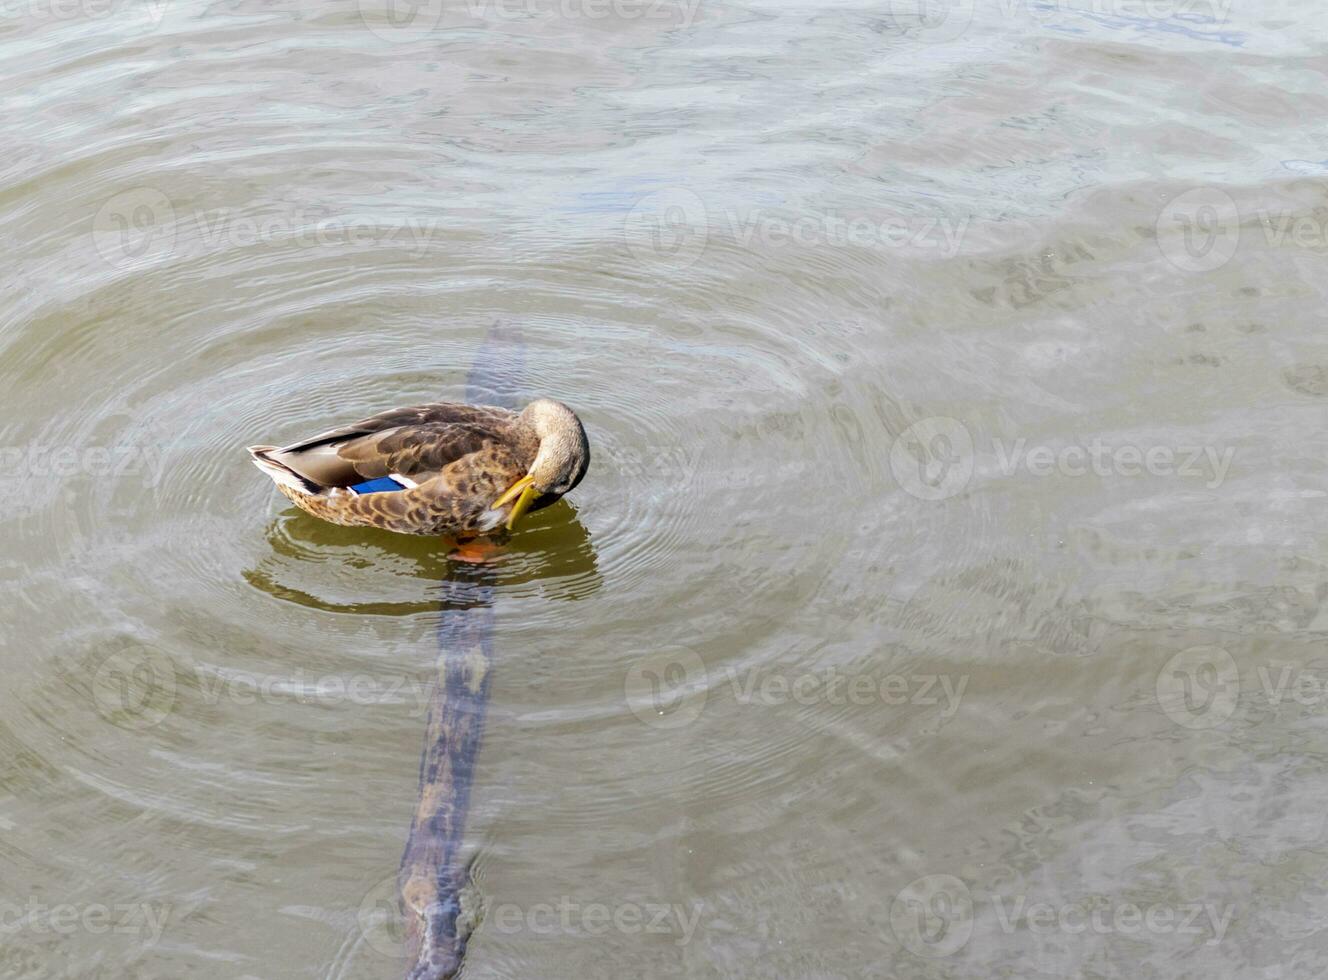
pixel 944 597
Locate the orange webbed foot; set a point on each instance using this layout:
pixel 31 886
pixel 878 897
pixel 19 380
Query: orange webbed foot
pixel 474 551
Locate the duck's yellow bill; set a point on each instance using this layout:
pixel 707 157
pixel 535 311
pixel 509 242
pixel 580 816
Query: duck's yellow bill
pixel 524 493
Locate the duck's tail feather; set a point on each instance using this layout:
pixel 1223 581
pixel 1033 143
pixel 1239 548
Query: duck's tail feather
pixel 280 472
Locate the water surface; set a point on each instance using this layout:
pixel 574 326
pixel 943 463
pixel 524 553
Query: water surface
pixel 944 596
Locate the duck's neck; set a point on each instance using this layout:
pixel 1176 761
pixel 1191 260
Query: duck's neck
pixel 562 440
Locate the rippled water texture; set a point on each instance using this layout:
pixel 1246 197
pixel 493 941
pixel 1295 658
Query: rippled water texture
pixel 944 596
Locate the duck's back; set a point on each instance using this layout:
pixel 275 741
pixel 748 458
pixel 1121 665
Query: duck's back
pixel 415 442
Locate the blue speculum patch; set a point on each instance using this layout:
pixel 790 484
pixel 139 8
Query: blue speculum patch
pixel 380 485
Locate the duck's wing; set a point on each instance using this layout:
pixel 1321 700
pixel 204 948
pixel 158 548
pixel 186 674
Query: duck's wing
pixel 416 442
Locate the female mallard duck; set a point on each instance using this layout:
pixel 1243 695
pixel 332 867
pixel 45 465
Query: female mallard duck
pixel 444 468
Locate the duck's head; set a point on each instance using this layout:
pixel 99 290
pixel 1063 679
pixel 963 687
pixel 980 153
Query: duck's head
pixel 562 460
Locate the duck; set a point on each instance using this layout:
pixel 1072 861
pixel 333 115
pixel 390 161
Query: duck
pixel 443 468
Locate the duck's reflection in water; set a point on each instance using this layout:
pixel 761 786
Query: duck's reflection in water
pixel 552 552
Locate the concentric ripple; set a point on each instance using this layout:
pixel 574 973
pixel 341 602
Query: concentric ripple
pixel 798 639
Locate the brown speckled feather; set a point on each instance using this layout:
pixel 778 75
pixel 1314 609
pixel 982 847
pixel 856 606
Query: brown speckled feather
pixel 417 442
pixel 462 456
